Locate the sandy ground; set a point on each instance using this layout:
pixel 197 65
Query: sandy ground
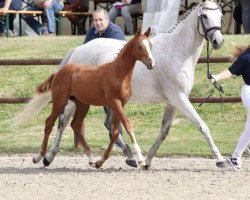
pixel 168 178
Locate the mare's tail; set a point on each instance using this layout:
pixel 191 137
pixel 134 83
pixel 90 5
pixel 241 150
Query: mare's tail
pixel 41 98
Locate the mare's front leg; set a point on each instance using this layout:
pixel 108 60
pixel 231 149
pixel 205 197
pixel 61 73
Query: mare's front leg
pixel 118 109
pixel 180 100
pixel 168 117
pixel 62 124
pixel 56 110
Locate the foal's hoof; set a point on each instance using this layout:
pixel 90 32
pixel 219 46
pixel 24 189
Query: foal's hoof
pixel 131 163
pixel 98 164
pixel 145 167
pixel 222 164
pixel 46 163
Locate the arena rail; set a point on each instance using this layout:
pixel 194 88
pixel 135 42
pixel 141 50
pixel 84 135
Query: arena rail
pixel 215 59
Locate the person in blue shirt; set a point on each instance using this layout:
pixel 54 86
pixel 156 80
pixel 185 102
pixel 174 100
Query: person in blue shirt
pixel 5 5
pixel 104 28
pixel 240 67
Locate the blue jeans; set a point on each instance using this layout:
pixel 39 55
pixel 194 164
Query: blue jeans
pixel 14 5
pixel 245 6
pixel 55 7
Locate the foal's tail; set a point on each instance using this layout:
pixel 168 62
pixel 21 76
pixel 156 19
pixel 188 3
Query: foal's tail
pixel 41 98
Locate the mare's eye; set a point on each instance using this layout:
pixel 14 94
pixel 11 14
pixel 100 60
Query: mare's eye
pixel 139 47
pixel 204 16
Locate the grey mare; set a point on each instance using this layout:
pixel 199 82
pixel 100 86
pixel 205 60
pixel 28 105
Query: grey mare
pixel 176 53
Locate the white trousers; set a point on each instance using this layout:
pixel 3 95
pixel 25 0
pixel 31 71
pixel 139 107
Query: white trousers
pixel 244 139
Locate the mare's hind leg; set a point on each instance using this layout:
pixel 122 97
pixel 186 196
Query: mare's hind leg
pixel 77 125
pixel 62 124
pixel 168 117
pixel 56 110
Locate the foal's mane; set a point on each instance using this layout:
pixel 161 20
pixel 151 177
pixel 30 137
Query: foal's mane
pixel 124 46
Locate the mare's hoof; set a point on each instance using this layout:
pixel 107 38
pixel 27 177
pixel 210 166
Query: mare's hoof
pixel 222 164
pixel 145 167
pixel 34 161
pixel 46 163
pixel 131 163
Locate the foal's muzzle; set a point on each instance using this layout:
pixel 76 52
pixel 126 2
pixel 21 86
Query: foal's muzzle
pixel 150 63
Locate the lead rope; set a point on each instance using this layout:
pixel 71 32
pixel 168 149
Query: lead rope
pixel 215 83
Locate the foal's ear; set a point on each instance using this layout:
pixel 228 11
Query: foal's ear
pixel 138 32
pixel 147 33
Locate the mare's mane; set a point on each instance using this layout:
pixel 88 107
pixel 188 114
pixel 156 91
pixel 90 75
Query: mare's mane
pixel 185 15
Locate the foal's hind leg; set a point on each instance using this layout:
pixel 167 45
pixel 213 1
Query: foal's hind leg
pixel 56 110
pixel 63 121
pixel 77 125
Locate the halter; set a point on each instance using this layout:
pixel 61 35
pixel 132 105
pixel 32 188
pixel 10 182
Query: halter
pixel 205 31
pixel 200 19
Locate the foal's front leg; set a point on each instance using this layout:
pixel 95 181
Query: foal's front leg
pixel 118 109
pixel 114 137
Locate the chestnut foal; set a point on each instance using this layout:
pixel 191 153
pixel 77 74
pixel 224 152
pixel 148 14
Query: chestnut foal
pixel 106 85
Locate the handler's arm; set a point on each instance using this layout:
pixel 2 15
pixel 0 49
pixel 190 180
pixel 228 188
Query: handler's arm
pixel 222 75
pixel 6 6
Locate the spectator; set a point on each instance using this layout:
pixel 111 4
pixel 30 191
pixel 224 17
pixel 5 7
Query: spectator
pixel 77 6
pixel 125 8
pixel 240 67
pixel 50 7
pixel 242 13
pixel 103 27
pixel 5 5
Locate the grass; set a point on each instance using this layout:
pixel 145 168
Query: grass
pixel 184 138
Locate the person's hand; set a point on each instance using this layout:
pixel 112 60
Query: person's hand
pixel 4 10
pixel 46 4
pixel 213 78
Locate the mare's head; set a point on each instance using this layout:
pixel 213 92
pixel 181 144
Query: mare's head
pixel 209 23
pixel 142 48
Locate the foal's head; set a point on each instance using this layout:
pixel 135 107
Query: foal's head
pixel 142 48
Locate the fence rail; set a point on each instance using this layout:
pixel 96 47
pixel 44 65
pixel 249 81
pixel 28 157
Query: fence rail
pixel 215 59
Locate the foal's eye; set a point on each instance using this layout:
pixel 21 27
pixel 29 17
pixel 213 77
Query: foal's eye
pixel 204 16
pixel 139 47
